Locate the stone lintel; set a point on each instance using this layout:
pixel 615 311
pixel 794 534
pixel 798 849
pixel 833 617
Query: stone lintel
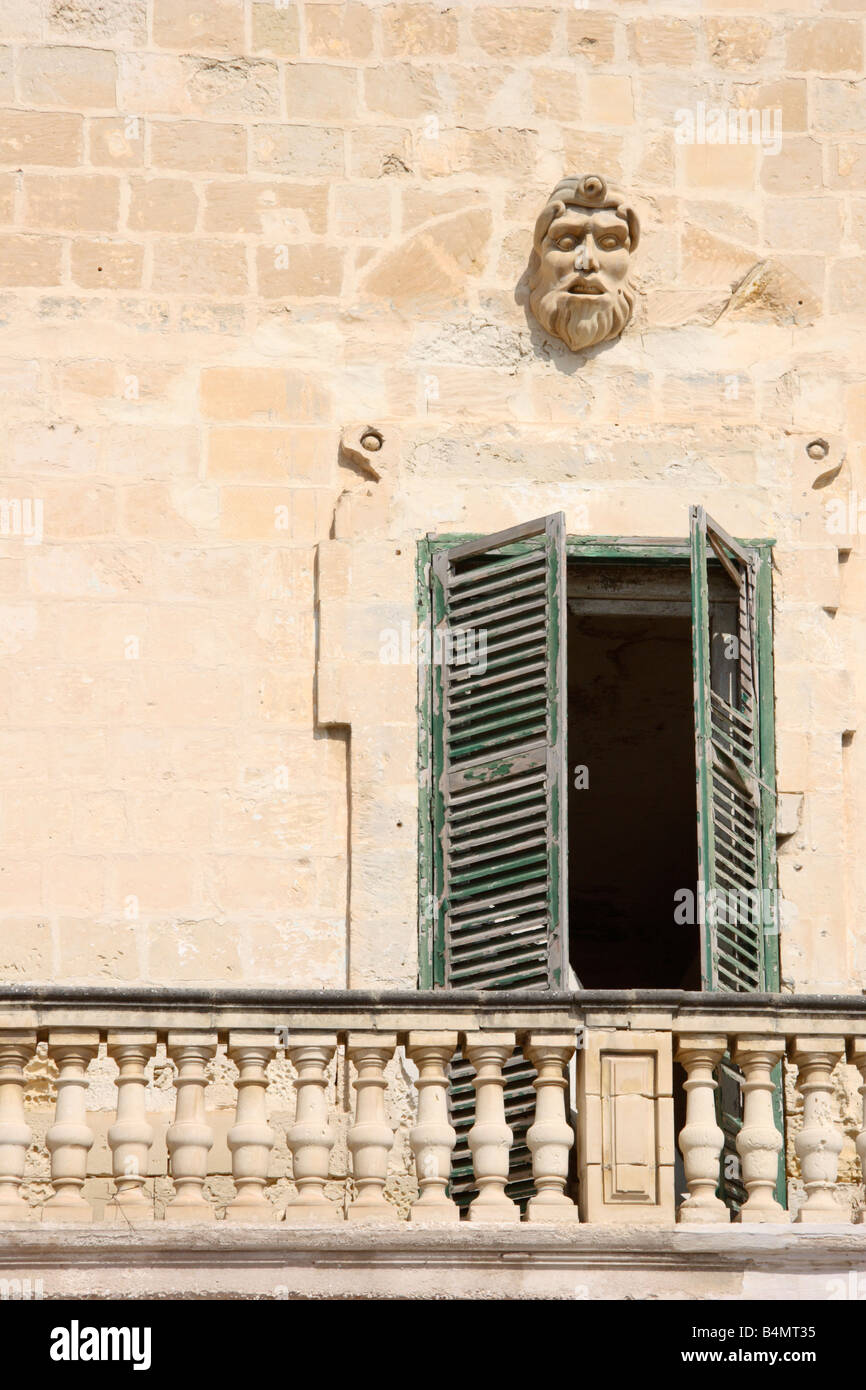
pixel 131 1037
pixel 759 1042
pixel 193 1037
pixel 253 1037
pixel 425 1037
pixel 804 1044
pixel 360 1042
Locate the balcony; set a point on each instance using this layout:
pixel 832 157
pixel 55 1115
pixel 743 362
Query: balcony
pixel 281 1143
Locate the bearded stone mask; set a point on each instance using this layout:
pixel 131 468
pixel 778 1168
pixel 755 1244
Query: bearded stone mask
pixel 579 288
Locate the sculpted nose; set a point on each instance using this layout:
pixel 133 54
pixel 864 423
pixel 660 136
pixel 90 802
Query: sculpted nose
pixel 586 255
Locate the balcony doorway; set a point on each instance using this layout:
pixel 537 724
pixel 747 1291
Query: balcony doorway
pixel 631 753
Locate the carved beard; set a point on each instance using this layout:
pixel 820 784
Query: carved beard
pixel 583 321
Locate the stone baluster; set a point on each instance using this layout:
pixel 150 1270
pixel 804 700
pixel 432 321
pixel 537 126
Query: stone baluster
pixel 190 1137
pixel 371 1137
pixel 131 1135
pixel 70 1138
pixel 819 1143
pixel 433 1137
pixel 550 1136
pixel 250 1138
pixel 311 1137
pixel 857 1058
pixel 759 1141
pixel 16 1050
pixel 701 1139
pixel 490 1138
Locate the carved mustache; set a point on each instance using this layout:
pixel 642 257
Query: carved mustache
pixel 582 284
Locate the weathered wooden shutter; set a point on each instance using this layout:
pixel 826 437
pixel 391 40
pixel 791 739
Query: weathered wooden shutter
pixel 499 705
pixel 736 796
pixel 499 712
pixel 735 808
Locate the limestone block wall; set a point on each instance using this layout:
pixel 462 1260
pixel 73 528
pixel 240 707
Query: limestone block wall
pixel 229 231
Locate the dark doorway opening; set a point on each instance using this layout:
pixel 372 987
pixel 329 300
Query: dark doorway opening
pixel 632 807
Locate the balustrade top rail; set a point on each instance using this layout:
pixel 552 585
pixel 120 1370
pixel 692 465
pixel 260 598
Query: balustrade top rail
pixel 41 1005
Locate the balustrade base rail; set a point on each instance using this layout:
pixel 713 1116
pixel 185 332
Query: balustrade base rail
pixel 221 1261
pixel 292 1150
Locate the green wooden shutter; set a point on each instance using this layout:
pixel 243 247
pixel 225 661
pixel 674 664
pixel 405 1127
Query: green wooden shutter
pixel 735 807
pixel 499 707
pixel 499 782
pixel 736 794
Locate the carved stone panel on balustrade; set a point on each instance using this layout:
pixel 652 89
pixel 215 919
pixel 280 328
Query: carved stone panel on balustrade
pixel 625 1127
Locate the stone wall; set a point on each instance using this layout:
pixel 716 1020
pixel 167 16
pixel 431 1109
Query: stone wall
pixel 232 231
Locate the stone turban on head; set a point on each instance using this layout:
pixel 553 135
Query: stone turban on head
pixel 585 191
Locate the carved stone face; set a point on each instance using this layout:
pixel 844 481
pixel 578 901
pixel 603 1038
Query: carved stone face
pixel 579 286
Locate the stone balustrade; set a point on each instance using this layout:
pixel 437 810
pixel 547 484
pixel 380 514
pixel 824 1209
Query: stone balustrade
pixel 333 1080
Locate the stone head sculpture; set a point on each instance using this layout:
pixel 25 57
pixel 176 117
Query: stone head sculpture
pixel 579 269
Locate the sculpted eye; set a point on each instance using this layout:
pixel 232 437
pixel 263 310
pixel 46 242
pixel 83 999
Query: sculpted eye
pixel 609 243
pixel 567 243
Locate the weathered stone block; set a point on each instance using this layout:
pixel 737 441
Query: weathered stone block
pixel 199 146
pixel 107 264
pixel 828 44
pixel 68 77
pixel 673 42
pixel 339 31
pixel 513 33
pixel 41 137
pixel 189 26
